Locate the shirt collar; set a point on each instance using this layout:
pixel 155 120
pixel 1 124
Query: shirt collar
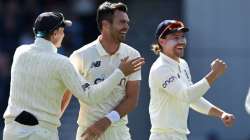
pixel 45 44
pixel 169 60
pixel 102 51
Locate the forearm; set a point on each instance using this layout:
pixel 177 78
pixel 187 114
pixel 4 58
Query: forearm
pixel 65 101
pixel 126 105
pixel 202 106
pixel 211 77
pixel 191 93
pixel 215 112
pixel 91 94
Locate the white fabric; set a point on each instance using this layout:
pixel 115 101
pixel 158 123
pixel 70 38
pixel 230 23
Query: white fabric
pixel 247 102
pixel 16 131
pixel 95 64
pixel 39 77
pixel 173 135
pixel 172 92
pixel 113 116
pixel 112 133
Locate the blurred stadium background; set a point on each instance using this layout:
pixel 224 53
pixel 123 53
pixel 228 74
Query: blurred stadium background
pixel 218 28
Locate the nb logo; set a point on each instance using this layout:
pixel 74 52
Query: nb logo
pixel 95 64
pixel 168 81
pixel 85 86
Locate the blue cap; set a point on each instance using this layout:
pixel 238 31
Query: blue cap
pixel 169 26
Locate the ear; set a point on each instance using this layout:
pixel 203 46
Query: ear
pixel 105 24
pixel 161 41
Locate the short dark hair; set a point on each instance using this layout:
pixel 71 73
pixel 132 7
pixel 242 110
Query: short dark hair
pixel 106 11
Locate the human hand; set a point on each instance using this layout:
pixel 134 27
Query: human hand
pixel 218 67
pixel 227 119
pixel 131 66
pixel 94 131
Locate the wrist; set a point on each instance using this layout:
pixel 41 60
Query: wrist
pixel 223 114
pixel 113 116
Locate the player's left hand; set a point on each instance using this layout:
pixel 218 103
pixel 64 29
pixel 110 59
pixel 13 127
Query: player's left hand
pixel 228 119
pixel 94 131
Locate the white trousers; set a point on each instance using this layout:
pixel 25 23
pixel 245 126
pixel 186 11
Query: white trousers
pixel 167 136
pixel 112 133
pixel 16 131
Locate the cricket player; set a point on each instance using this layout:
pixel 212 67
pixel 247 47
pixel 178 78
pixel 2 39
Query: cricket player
pixel 171 88
pixel 96 61
pixel 39 77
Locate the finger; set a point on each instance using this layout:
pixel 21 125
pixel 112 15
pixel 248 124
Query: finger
pixel 138 63
pixel 136 60
pixel 126 58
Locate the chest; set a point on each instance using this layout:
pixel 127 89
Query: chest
pixel 99 68
pixel 183 74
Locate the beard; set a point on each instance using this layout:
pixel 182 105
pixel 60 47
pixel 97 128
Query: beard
pixel 118 36
pixel 179 50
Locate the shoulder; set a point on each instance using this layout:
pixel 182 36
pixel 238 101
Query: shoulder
pixel 87 49
pixel 130 50
pixel 159 68
pixel 184 62
pixel 23 48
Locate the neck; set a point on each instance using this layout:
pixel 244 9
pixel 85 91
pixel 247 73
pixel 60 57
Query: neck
pixel 175 58
pixel 109 44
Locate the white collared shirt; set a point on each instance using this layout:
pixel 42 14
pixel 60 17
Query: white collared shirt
pixel 95 64
pixel 39 77
pixel 172 92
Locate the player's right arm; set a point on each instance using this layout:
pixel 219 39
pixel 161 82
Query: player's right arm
pixel 95 93
pixel 174 86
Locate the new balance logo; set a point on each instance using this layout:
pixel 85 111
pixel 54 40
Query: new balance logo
pixel 95 64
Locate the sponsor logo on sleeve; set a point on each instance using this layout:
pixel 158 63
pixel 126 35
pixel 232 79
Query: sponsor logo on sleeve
pixel 169 81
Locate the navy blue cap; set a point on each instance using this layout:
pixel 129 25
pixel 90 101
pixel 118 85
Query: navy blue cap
pixel 49 21
pixel 169 26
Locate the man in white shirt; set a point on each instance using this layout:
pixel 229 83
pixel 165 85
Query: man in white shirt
pixel 107 120
pixel 171 88
pixel 39 77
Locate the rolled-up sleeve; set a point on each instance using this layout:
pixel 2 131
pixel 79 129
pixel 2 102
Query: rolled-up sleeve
pixel 202 105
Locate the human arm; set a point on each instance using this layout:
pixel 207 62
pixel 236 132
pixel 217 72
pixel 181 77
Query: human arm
pixel 65 101
pixel 126 105
pixel 173 85
pixel 95 93
pixel 205 107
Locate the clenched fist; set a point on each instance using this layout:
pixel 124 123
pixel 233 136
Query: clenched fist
pixel 218 67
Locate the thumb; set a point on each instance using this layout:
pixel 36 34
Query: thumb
pixel 125 59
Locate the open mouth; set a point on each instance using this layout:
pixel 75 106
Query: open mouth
pixel 123 33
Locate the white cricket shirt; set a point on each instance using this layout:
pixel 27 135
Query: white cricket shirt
pixel 95 64
pixel 39 77
pixel 172 92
